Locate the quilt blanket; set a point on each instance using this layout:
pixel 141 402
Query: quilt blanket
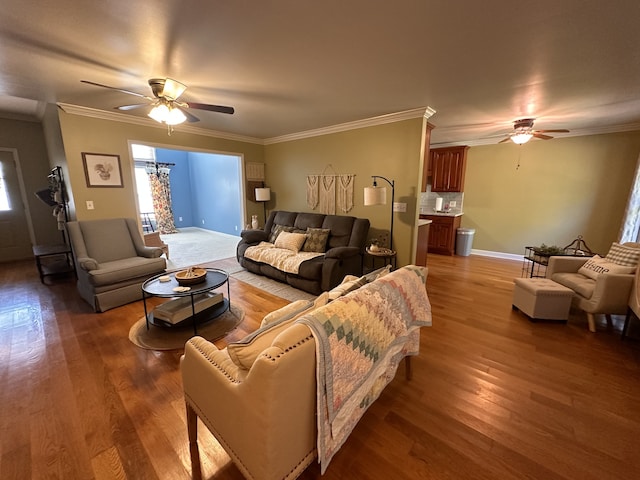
pixel 280 258
pixel 360 340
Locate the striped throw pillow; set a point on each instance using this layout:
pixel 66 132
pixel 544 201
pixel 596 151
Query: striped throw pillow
pixel 623 255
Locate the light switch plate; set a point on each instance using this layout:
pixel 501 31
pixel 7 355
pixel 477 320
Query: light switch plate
pixel 399 207
pixel 90 205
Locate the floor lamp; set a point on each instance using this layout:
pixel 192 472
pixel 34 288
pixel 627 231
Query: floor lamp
pixel 263 195
pixel 376 195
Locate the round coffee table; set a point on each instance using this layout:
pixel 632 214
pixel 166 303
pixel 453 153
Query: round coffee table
pixel 215 278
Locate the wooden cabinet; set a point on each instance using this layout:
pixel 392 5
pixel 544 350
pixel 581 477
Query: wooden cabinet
pixel 426 168
pixel 442 233
pixel 448 167
pixel 423 245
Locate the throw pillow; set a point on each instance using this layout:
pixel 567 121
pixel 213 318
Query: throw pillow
pixel 623 255
pixel 379 273
pixel 244 352
pixel 291 241
pixel 349 284
pixel 275 231
pixel 291 309
pixel 598 266
pixel 316 240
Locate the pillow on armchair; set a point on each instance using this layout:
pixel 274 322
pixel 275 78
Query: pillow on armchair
pixel 597 266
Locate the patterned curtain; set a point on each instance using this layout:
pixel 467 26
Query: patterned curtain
pixel 161 195
pixel 630 231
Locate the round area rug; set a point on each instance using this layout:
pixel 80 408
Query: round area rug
pixel 158 338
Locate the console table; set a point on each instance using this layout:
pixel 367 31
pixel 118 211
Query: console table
pixel 59 259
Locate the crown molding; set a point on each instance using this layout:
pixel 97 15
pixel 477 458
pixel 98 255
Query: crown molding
pixel 425 112
pixel 147 122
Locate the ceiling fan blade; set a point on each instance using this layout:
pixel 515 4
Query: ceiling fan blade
pixel 173 89
pixel 212 108
pixel 116 89
pixel 563 130
pixel 191 118
pixel 541 136
pixel 505 140
pixel 132 107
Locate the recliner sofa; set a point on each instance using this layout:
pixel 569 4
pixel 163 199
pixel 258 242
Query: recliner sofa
pixel 343 254
pixel 112 261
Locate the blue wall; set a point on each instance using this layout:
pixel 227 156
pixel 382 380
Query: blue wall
pixel 205 190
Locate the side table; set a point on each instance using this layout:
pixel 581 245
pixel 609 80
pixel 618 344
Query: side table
pixel 59 259
pixel 387 256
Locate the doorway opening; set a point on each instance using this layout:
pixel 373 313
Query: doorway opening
pixel 206 197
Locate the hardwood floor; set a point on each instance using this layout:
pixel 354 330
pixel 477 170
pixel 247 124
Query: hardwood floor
pixel 493 395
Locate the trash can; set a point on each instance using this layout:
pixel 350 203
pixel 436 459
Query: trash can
pixel 464 240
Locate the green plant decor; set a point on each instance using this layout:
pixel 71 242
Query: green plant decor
pixel 548 251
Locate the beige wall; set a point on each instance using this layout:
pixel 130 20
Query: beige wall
pixel 28 139
pixel 391 151
pixel 83 134
pixel 563 188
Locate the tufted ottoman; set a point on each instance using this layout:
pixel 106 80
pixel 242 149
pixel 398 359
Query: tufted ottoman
pixel 541 298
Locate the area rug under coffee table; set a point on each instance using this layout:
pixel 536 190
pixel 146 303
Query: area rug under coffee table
pixel 161 338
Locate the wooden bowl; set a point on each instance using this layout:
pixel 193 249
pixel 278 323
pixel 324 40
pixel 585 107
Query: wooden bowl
pixel 191 276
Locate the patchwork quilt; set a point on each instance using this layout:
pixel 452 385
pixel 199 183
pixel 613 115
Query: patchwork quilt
pixel 360 340
pixel 284 260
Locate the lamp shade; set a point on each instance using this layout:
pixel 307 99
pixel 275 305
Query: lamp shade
pixel 263 194
pixel 375 195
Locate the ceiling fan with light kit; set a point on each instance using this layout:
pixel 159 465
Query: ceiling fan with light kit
pixel 523 132
pixel 165 106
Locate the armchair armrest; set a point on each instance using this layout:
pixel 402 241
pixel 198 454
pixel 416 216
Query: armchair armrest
pixel 87 263
pixel 564 264
pixel 611 292
pixel 254 236
pixel 342 252
pixel 149 252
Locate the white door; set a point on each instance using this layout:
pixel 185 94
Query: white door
pixel 15 243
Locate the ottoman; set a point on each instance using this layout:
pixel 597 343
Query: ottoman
pixel 542 299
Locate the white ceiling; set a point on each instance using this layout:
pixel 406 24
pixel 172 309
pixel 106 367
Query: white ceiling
pixel 289 66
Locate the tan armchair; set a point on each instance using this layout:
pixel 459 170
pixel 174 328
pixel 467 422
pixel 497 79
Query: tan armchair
pixel 608 294
pixel 112 261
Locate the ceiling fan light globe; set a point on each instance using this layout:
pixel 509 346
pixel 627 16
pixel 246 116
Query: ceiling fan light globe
pixel 521 138
pixel 175 117
pixel 159 113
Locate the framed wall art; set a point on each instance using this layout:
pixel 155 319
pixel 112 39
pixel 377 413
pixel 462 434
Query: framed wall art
pixel 102 170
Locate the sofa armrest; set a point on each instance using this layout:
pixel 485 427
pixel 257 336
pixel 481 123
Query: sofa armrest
pixel 342 252
pixel 564 264
pixel 87 263
pixel 149 252
pixel 611 292
pixel 254 236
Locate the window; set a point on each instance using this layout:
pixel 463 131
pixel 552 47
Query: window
pixel 4 195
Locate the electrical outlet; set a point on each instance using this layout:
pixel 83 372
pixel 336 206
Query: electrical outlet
pixel 90 205
pixel 179 219
pixel 399 207
pixel 203 221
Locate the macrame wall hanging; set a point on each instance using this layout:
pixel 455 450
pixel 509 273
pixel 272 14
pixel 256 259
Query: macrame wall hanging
pixel 323 190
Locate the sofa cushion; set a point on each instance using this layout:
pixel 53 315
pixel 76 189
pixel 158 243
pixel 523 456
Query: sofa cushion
pixel 275 231
pixel 316 240
pixel 108 239
pixel 291 241
pixel 598 266
pixel 292 308
pixel 583 286
pixel 623 255
pixel 121 270
pixel 341 230
pixel 244 352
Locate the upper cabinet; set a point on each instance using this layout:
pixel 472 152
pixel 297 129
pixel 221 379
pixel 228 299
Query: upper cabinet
pixel 448 167
pixel 426 169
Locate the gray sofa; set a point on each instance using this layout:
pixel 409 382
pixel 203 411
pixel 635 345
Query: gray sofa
pixel 343 254
pixel 112 261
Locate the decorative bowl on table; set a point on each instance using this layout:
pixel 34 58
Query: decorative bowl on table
pixel 191 276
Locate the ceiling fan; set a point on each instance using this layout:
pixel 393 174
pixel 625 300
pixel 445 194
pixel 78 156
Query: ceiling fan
pixel 523 132
pixel 165 106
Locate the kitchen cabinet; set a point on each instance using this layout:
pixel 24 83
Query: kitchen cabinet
pixel 448 167
pixel 442 233
pixel 426 168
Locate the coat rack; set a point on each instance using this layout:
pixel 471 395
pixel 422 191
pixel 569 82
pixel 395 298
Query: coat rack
pixel 58 197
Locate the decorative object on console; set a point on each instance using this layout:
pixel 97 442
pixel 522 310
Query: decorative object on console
pixel 378 196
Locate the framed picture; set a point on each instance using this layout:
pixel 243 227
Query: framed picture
pixel 102 170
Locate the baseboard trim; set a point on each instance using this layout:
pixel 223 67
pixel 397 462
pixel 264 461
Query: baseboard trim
pixel 489 253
